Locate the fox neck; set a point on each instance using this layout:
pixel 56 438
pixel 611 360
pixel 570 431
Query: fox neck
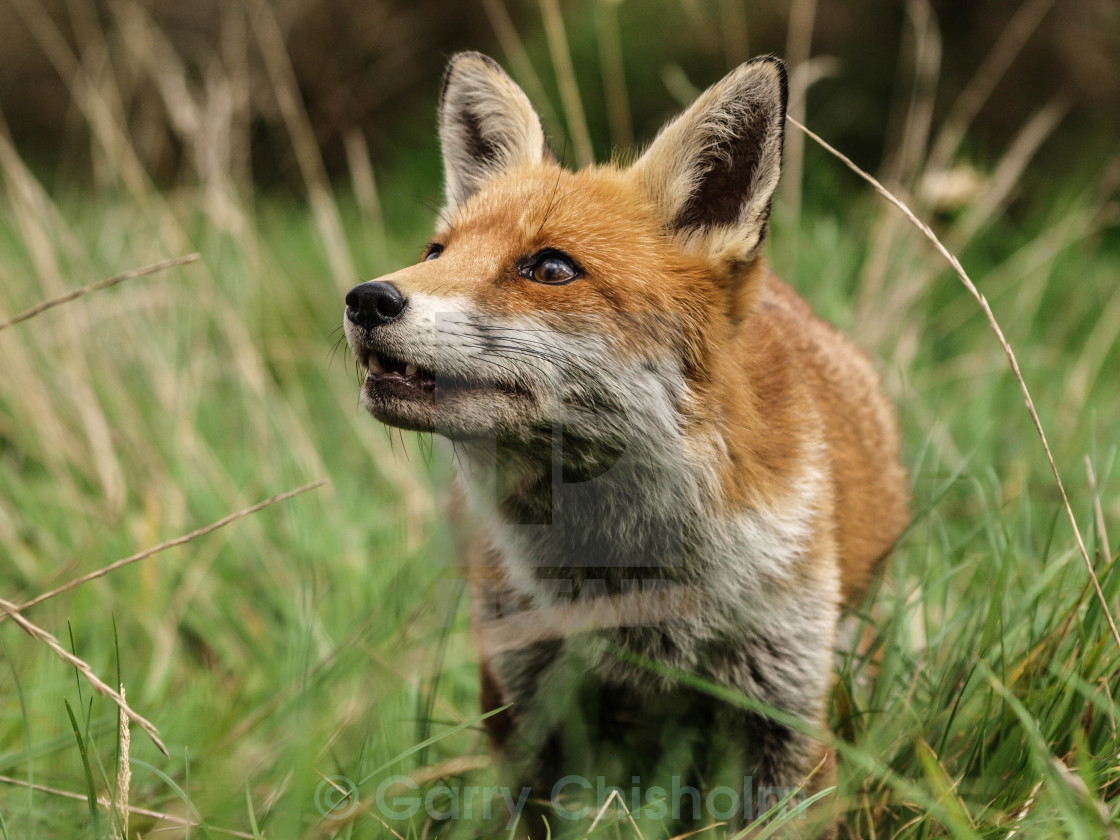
pixel 612 499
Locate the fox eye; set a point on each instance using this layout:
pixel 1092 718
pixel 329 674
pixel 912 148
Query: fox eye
pixel 551 267
pixel 434 250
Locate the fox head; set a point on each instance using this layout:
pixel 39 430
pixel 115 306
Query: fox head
pixel 602 300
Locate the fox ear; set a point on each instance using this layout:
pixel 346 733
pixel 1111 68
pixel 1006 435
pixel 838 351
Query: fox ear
pixel 712 171
pixel 486 125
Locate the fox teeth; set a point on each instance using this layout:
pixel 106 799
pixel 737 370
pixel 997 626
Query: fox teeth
pixel 410 370
pixel 374 364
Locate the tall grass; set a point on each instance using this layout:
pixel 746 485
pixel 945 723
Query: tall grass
pixel 320 638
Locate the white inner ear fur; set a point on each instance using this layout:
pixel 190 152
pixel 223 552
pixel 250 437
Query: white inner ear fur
pixel 700 144
pixel 487 125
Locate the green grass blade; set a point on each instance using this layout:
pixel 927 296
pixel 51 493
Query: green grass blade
pixel 91 792
pixel 252 813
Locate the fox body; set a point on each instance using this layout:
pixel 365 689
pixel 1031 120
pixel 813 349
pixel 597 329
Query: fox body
pixel 667 463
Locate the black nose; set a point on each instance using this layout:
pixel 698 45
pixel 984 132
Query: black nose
pixel 375 303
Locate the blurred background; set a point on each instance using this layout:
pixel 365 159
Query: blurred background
pixel 367 71
pixel 292 146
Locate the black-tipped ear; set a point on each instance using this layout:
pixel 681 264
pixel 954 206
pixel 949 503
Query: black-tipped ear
pixel 486 125
pixel 712 171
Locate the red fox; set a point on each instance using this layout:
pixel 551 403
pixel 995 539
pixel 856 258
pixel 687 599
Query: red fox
pixel 671 473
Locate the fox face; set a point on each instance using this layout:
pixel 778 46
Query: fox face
pixel 597 299
pixel 647 412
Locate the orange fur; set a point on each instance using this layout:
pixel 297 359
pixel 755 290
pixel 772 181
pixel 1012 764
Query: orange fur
pixel 766 370
pixel 704 413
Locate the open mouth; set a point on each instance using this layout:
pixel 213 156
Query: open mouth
pixel 388 371
pixel 395 376
pixel 401 393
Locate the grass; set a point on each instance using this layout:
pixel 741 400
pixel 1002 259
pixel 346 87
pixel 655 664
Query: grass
pixel 325 638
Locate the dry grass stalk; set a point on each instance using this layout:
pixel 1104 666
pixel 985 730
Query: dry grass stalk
pixel 105 121
pixel 124 772
pixel 603 810
pixel 118 806
pixel 1011 41
pixel 897 300
pixel 39 634
pixel 698 831
pixel 96 287
pixel 1102 534
pixel 980 299
pixel 566 78
pixel 143 555
pixel 285 86
pixel 908 155
pixel 1007 174
pixel 614 74
pixel 205 118
pixel 365 188
pixel 132 809
pixel 799 43
pixel 910 120
pixel 518 57
pixel 460 765
pixel 41 225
